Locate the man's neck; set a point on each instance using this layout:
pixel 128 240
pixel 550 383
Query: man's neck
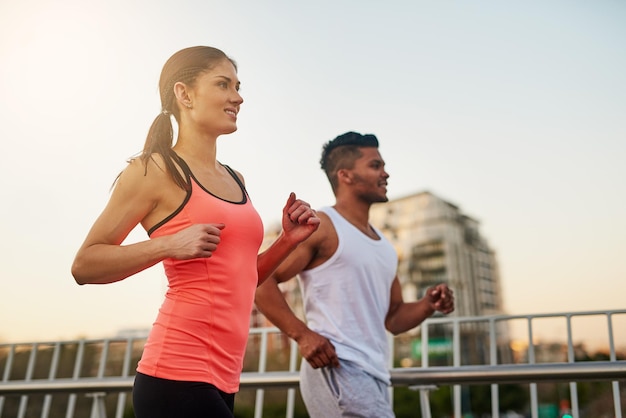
pixel 357 213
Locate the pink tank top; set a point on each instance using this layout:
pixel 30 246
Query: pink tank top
pixel 201 331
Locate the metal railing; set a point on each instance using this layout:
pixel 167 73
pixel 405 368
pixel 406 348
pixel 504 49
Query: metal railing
pixel 100 372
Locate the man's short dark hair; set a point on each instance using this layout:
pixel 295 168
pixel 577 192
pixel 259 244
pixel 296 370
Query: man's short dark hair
pixel 349 138
pixel 342 151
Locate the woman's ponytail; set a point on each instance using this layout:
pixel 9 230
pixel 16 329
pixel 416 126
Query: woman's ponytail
pixel 159 141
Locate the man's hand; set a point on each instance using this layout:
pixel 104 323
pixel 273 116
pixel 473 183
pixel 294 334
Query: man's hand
pixel 441 298
pixel 317 350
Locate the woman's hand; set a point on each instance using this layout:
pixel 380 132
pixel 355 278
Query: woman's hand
pixel 196 241
pixel 299 220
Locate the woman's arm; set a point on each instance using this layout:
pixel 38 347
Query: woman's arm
pixel 299 222
pixel 103 259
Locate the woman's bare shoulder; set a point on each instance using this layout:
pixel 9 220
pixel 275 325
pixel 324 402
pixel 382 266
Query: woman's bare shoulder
pixel 145 176
pixel 153 167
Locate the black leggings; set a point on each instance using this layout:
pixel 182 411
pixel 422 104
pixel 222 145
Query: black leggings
pixel 162 398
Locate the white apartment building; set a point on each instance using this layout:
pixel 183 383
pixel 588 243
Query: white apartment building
pixel 437 243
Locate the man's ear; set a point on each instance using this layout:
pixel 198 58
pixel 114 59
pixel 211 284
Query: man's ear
pixel 344 176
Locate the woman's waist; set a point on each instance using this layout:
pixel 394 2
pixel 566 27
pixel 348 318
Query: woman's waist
pixel 183 326
pixel 204 302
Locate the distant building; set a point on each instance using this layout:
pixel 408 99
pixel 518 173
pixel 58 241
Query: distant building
pixel 437 243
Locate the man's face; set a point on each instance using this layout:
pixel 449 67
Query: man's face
pixel 369 178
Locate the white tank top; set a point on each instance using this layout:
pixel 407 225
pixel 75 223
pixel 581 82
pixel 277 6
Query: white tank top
pixel 346 299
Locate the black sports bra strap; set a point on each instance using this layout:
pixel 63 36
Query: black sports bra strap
pixel 183 165
pixel 236 177
pixel 189 174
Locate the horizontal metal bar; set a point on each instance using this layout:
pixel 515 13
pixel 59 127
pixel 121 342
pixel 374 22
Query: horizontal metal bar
pixel 515 373
pixel 249 380
pixel 106 384
pixel 253 380
pixel 440 376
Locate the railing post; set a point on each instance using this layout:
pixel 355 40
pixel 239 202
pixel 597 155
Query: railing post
pixel 29 375
pixel 456 362
pixel 534 403
pixel 54 364
pixel 493 360
pixel 121 397
pixel 424 391
pixel 98 407
pixel 78 361
pixel 291 392
pixel 617 404
pixel 260 393
pixel 571 358
pixel 7 372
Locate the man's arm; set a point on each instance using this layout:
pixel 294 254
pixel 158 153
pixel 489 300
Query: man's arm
pixel 403 316
pixel 316 349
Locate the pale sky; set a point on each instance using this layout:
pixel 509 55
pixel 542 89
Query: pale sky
pixel 513 110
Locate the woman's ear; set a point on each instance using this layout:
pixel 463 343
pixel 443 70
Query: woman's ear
pixel 183 95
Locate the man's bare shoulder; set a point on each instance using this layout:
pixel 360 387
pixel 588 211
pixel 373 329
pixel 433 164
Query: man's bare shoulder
pixel 323 242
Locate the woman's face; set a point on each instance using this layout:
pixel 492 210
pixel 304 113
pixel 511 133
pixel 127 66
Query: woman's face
pixel 215 99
